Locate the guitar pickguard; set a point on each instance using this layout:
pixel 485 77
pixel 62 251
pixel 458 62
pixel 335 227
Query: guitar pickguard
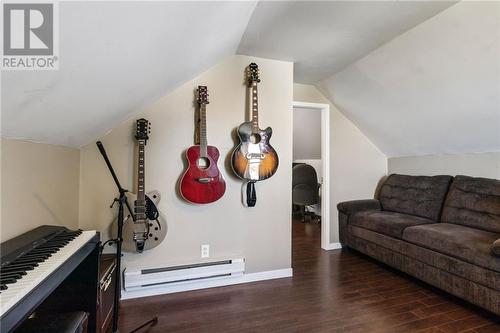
pixel 152 212
pixel 157 227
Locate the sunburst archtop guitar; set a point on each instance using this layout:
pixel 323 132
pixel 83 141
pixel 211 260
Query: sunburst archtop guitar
pixel 254 159
pixel 202 182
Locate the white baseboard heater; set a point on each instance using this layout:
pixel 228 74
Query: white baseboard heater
pixel 139 279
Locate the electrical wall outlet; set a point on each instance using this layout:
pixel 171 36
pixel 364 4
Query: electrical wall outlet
pixel 205 251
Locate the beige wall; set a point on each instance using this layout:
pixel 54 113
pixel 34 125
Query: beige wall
pixel 478 165
pixel 356 165
pixel 262 234
pixel 39 186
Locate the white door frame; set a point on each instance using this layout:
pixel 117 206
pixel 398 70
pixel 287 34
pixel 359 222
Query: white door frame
pixel 325 166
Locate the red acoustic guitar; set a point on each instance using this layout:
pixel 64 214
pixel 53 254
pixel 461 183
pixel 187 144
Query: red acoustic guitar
pixel 202 182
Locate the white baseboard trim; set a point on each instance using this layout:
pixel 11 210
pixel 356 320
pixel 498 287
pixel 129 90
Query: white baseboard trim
pixel 333 246
pixel 215 282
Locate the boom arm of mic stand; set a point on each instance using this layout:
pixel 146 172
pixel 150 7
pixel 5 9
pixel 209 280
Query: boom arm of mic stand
pixel 113 174
pixel 110 167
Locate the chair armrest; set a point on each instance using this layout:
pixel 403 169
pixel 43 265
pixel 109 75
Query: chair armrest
pixel 351 207
pixel 495 248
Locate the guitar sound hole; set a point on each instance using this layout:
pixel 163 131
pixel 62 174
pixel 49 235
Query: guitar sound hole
pixel 203 163
pixel 255 138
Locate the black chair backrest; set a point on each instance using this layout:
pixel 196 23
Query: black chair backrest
pixel 304 174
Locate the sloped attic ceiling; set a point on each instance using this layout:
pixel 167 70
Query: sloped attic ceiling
pixel 323 37
pixel 115 58
pixel 432 90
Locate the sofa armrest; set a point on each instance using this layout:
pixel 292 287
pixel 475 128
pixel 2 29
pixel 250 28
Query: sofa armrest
pixel 350 207
pixel 495 248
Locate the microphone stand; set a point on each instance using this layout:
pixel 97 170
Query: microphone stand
pixel 122 200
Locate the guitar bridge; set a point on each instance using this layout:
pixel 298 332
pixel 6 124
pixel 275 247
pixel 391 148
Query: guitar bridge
pixel 205 180
pixel 255 156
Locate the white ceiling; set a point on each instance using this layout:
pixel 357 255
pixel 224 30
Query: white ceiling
pixel 432 90
pixel 323 37
pixel 114 60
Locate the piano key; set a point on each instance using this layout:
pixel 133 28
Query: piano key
pixel 36 255
pixel 18 272
pixel 46 246
pixel 28 261
pixel 12 275
pixel 59 242
pixel 7 280
pixel 32 257
pixel 23 267
pixel 45 249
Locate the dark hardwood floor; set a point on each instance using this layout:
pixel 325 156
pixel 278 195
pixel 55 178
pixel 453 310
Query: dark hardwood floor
pixel 334 291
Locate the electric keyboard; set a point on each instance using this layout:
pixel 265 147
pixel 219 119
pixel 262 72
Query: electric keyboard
pixel 34 264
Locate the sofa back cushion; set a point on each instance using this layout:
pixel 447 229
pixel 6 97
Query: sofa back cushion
pixel 415 195
pixel 473 202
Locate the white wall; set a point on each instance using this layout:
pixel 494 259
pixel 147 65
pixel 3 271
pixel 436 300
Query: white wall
pixel 306 134
pixel 476 165
pixel 356 165
pixel 39 186
pixel 262 234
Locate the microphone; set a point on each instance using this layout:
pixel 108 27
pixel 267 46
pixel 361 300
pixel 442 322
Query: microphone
pixel 101 148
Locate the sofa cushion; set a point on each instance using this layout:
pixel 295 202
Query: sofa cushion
pixel 353 206
pixel 485 276
pixel 473 202
pixel 387 223
pixel 465 243
pixel 416 195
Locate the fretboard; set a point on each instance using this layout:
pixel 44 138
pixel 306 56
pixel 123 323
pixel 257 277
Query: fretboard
pixel 203 130
pixel 141 197
pixel 255 107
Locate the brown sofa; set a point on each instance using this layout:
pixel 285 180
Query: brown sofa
pixel 439 229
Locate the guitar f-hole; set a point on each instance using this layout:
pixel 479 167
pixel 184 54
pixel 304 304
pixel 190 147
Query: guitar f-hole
pixel 203 163
pixel 255 138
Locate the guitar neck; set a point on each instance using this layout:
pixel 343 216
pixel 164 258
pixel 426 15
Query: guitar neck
pixel 140 204
pixel 203 130
pixel 255 107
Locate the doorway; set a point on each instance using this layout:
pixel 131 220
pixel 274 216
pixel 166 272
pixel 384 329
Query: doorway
pixel 311 146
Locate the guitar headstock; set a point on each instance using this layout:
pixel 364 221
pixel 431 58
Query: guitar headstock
pixel 202 95
pixel 253 73
pixel 143 129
